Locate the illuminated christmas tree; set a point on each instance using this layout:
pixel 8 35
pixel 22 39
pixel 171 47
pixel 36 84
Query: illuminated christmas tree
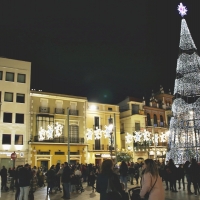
pixel 184 135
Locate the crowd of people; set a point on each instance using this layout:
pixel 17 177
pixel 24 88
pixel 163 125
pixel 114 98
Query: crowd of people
pixel 108 180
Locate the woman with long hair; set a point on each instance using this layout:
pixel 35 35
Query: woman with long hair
pixel 108 176
pixel 123 173
pixel 151 182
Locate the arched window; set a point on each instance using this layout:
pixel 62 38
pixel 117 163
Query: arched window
pixel 148 120
pixel 155 120
pixel 161 121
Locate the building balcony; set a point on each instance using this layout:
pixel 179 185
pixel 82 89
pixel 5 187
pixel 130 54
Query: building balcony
pixel 61 139
pixel 73 112
pixel 101 147
pixel 44 109
pixel 97 127
pixel 161 124
pixel 59 111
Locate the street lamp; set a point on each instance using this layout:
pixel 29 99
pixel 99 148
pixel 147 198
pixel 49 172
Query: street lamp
pixel 110 126
pixel 68 135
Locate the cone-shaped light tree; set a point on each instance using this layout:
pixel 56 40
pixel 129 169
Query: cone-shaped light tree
pixel 184 134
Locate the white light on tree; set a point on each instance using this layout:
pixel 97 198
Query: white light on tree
pixel 182 10
pixel 128 138
pixel 58 129
pixel 184 141
pixel 137 136
pixel 97 134
pixel 89 134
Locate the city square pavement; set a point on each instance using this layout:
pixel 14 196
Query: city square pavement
pixel 40 194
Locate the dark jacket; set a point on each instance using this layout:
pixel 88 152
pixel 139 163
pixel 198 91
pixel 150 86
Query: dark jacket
pixel 102 184
pixel 91 179
pixel 66 175
pixel 131 170
pixel 51 175
pixel 194 172
pixel 24 177
pixel 4 174
pixel 123 170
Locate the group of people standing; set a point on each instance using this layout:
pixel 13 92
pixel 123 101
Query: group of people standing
pixel 110 188
pixel 173 175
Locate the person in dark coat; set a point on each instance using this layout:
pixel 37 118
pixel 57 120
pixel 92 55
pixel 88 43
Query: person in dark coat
pixel 173 175
pixel 194 170
pixel 66 176
pixel 187 169
pixel 24 178
pixel 107 175
pixel 51 174
pixel 131 172
pixel 92 179
pixel 181 176
pixel 123 173
pixel 3 178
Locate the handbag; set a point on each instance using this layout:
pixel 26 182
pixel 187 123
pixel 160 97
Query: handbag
pixel 112 193
pixel 146 196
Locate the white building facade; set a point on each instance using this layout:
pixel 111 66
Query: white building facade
pixel 14 111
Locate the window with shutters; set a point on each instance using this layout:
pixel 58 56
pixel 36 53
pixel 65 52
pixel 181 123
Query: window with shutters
pixel 74 133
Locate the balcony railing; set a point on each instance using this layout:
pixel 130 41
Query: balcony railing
pixel 160 124
pixel 73 112
pixel 97 127
pixel 59 111
pixel 101 148
pixel 44 109
pixel 61 139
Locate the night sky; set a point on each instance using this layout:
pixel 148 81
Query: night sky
pixel 102 50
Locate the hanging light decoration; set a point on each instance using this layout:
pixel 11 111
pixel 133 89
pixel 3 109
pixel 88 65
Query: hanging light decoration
pixel 107 131
pixel 49 132
pixel 163 137
pixel 155 138
pixel 146 135
pixel 129 138
pixel 89 134
pixel 137 137
pixel 58 129
pixel 97 134
pixel 41 134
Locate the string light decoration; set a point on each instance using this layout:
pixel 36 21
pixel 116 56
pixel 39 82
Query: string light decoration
pixel 97 134
pixel 107 131
pixel 41 134
pixel 48 134
pixel 137 137
pixel 129 138
pixel 89 134
pixel 163 137
pixel 184 136
pixel 146 135
pixel 58 129
pixel 155 138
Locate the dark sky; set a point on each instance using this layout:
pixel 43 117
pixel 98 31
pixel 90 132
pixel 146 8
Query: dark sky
pixel 103 50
